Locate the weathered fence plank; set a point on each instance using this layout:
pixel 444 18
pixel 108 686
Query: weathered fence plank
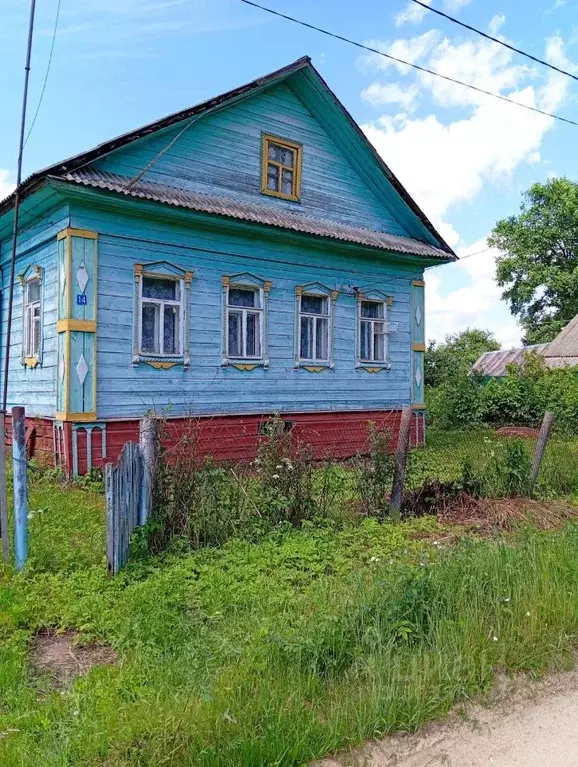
pixel 400 462
pixel 543 438
pixel 123 488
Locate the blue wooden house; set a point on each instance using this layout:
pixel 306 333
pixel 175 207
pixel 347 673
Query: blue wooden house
pixel 247 256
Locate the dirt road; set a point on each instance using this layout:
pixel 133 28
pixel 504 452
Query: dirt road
pixel 525 726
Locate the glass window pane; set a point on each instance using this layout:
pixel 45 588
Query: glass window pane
pixel 235 348
pixel 321 345
pixel 36 337
pixel 314 304
pixel 373 309
pixel 365 341
pixel 253 335
pixel 306 344
pixel 162 290
pixel 150 323
pixel 287 187
pixel 281 154
pixel 378 342
pixel 171 330
pixel 273 178
pixel 243 297
pixel 33 291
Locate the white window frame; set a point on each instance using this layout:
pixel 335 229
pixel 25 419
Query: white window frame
pixel 162 303
pixel 244 310
pixel 29 307
pixel 326 361
pixel 29 356
pixel 372 322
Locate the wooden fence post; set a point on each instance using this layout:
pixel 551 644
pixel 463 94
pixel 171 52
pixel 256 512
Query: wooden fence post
pixel 400 462
pixel 543 438
pixel 4 530
pixel 148 447
pixel 20 486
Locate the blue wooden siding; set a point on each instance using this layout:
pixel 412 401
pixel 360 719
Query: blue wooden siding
pixel 33 388
pixel 220 154
pixel 128 391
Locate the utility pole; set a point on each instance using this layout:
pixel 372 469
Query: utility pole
pixel 3 497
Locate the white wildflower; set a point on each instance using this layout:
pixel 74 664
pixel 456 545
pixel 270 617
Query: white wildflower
pixel 275 476
pixel 527 615
pixel 495 639
pixel 374 559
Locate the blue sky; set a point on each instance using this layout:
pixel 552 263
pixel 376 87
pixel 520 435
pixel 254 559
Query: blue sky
pixel 465 158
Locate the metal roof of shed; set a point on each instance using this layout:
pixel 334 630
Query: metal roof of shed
pixel 495 363
pixel 566 342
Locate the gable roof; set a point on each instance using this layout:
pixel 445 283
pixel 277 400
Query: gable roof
pixel 64 170
pixel 561 352
pixel 566 342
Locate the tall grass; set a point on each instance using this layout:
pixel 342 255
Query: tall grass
pixel 281 652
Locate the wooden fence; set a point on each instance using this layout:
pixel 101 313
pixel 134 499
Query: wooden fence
pixel 123 490
pixel 129 485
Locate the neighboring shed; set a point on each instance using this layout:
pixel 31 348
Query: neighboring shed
pixel 495 364
pixel 559 353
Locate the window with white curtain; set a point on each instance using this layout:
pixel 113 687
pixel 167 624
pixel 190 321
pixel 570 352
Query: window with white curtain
pixel 314 328
pixel 161 316
pixel 244 322
pixel 372 331
pixel 32 318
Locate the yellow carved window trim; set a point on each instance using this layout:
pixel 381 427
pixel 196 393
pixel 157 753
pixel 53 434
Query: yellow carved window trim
pixel 293 146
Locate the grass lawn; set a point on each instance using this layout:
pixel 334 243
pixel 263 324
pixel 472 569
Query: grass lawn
pixel 271 653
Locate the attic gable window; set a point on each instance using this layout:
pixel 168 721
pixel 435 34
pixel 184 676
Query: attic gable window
pixel 281 171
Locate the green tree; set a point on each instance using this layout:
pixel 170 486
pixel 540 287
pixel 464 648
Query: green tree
pixel 538 265
pixel 456 355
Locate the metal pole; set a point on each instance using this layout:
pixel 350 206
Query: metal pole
pixel 20 486
pixel 17 205
pixel 3 499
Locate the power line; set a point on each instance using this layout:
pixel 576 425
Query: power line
pixel 495 39
pixel 409 64
pixel 477 253
pixel 47 72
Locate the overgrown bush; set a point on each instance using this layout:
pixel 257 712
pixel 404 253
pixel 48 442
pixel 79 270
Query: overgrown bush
pixel 374 473
pixel 520 398
pixel 504 473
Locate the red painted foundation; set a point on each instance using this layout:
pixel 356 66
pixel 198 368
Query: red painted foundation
pixel 224 438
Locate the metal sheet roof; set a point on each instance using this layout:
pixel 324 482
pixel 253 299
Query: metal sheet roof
pixel 302 65
pixel 495 363
pixel 566 342
pixel 246 211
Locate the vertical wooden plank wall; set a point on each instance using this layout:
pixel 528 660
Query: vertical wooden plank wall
pixel 76 325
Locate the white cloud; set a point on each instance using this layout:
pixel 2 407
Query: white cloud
pixel 411 14
pixel 6 187
pixel 414 13
pixel 477 305
pixel 496 23
pixel 410 49
pixel 445 164
pixel 377 94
